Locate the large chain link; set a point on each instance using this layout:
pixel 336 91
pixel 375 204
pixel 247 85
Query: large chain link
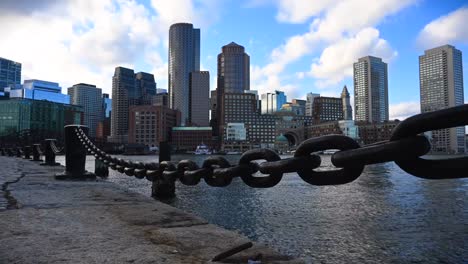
pixel 405 148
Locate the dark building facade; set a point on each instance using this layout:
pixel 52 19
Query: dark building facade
pixel 39 118
pixel 184 58
pixel 128 89
pixel 327 109
pixel 188 138
pixel 10 73
pixel 199 112
pixel 149 124
pixel 370 133
pixel 233 69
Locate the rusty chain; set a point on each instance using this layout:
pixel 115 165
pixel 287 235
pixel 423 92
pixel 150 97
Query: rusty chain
pixel 405 148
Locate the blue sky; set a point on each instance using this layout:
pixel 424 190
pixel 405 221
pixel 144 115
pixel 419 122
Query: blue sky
pixel 295 46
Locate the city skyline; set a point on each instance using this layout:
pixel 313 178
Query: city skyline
pixel 296 56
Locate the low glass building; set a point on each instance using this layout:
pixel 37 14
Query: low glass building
pixel 36 118
pixel 39 90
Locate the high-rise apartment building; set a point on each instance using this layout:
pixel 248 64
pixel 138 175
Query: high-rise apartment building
pixel 371 90
pixel 233 69
pixel 272 102
pixel 146 87
pixel 90 98
pixel 441 86
pixel 309 106
pixel 199 98
pixel 347 110
pixel 184 58
pixel 10 73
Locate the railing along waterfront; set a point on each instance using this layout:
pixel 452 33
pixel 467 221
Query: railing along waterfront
pixel 405 148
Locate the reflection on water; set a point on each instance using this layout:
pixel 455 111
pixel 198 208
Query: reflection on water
pixel 384 216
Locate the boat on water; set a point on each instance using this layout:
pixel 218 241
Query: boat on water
pixel 233 153
pixel 202 149
pixel 330 151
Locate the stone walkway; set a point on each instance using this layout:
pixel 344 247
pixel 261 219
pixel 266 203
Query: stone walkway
pixel 48 221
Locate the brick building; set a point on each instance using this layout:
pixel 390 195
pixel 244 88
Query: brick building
pixel 188 138
pixel 151 124
pixel 372 133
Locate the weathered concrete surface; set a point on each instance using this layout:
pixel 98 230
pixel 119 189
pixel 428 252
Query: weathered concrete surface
pixel 43 220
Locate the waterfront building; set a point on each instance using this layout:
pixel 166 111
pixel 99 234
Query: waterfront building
pixel 341 127
pixel 184 58
pixel 188 138
pixel 441 86
pixel 39 119
pixel 151 124
pixel 10 73
pixel 233 69
pixel 327 109
pixel 128 89
pixel 199 112
pixel 370 133
pixel 242 108
pixel 292 126
pixel 39 90
pixel 309 106
pixel 347 109
pixel 272 102
pixel 90 98
pixel 236 132
pixel 371 90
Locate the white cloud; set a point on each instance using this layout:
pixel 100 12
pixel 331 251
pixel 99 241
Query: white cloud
pixel 336 61
pixel 404 110
pixel 83 41
pixel 334 25
pixel 446 29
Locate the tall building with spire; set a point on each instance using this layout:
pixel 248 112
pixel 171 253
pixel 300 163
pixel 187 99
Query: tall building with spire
pixel 441 86
pixel 184 58
pixel 371 90
pixel 347 110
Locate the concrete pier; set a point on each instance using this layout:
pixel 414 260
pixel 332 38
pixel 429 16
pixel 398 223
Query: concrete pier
pixel 48 221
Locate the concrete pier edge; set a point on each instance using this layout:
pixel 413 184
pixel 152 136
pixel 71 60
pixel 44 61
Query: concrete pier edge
pixel 48 221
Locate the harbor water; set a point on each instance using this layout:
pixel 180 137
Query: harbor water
pixel 385 216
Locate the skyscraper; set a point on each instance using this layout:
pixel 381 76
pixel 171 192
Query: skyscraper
pixel 199 98
pixel 441 86
pixel 309 107
pixel 184 58
pixel 233 69
pixel 145 86
pixel 128 89
pixel 371 90
pixel 347 110
pixel 123 91
pixel 272 102
pixel 90 98
pixel 10 73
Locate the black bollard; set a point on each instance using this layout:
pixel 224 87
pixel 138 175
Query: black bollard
pixel 27 152
pixel 49 154
pixel 36 152
pixel 163 188
pixel 18 152
pixel 2 151
pixel 75 156
pixel 100 168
